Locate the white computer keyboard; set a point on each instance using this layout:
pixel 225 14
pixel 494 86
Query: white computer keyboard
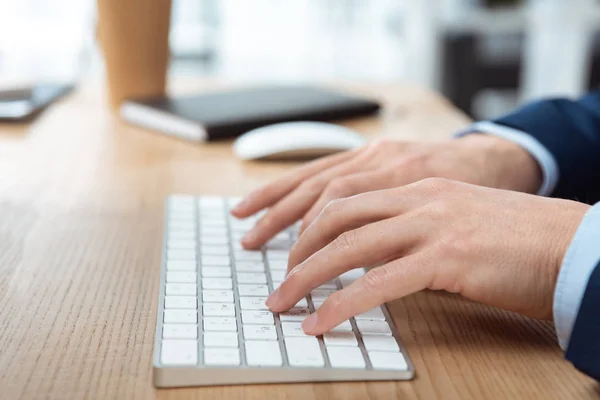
pixel 213 327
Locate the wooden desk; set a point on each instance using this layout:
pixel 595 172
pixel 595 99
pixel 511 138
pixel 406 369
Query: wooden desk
pixel 81 199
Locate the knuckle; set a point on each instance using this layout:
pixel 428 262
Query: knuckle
pixel 345 241
pixel 310 186
pixel 437 184
pixel 440 210
pixel 374 280
pixel 337 187
pixel 379 146
pixel 333 207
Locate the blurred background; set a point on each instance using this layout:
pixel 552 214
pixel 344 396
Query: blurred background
pixel 486 56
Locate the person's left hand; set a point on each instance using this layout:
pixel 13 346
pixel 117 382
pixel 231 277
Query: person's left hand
pixel 498 247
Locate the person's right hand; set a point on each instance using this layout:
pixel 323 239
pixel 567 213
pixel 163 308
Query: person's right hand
pixel 478 159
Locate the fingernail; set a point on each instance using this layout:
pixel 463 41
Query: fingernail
pixel 310 323
pixel 273 299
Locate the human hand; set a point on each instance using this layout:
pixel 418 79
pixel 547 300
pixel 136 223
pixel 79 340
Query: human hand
pixel 479 159
pixel 497 247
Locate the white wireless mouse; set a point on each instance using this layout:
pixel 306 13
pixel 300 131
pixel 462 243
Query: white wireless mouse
pixel 289 140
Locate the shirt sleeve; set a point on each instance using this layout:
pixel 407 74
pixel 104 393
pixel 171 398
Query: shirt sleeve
pixel 582 257
pixel 546 161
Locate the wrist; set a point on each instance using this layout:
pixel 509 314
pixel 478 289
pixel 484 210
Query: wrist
pixel 507 164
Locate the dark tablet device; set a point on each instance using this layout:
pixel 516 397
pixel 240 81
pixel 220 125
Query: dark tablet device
pixel 218 115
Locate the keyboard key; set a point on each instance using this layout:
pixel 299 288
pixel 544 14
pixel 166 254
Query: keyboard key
pixel 346 357
pixel 373 327
pixel 218 310
pixel 282 236
pixel 236 236
pixel 180 331
pixel 222 251
pixel 295 314
pixel 182 214
pixel 242 225
pixel 217 296
pixel 276 284
pixel 181 302
pixel 233 201
pixel 253 290
pixel 253 303
pixel 347 278
pixel 331 285
pixel 260 332
pixel 179 352
pixel 387 360
pixel 258 317
pixel 181 225
pixel 215 261
pixel 340 339
pixel 206 231
pixel 219 324
pixel 185 244
pixel 343 327
pixel 375 313
pixel 263 354
pixel 221 356
pixel 278 265
pixel 221 339
pixel 304 352
pixel 180 289
pixel 302 303
pixel 181 277
pixel 181 265
pixel 278 254
pixel 379 342
pixel 320 294
pixel 180 317
pixel 216 283
pixel 214 241
pixel 278 275
pixel 250 266
pixel 282 243
pixel 293 329
pixel 209 220
pixel 178 235
pixel 251 277
pixel 248 255
pixel 181 254
pixel 211 202
pixel 277 260
pixel 216 272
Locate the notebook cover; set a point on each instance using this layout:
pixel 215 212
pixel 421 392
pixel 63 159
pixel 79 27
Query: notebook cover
pixel 231 113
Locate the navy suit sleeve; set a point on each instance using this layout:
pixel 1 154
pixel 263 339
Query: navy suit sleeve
pixel 584 345
pixel 570 130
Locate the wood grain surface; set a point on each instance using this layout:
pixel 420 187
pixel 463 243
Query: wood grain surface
pixel 81 197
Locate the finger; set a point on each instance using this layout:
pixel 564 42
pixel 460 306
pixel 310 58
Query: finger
pixel 391 281
pixel 367 245
pixel 274 191
pixel 347 186
pixel 296 204
pixel 343 215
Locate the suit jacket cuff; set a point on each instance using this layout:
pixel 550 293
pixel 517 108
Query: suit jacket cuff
pixel 543 157
pixel 582 257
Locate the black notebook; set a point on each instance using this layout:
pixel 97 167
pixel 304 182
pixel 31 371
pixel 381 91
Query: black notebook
pixel 220 115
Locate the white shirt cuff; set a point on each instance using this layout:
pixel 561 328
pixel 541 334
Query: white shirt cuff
pixel 545 159
pixel 581 259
